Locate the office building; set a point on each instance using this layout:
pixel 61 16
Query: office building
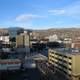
pixel 66 62
pixel 13 32
pixel 22 42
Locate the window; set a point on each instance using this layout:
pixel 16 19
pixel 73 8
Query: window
pixel 69 75
pixel 69 63
pixel 64 61
pixel 69 57
pixel 65 56
pixel 60 55
pixel 70 69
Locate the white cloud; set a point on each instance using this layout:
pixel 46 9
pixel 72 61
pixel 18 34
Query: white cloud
pixel 26 20
pixel 27 17
pixel 72 10
pixel 57 11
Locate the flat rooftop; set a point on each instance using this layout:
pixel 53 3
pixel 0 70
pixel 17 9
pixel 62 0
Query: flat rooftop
pixel 72 51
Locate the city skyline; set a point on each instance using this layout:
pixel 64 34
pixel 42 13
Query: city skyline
pixel 40 14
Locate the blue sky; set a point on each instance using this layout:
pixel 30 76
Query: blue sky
pixel 40 14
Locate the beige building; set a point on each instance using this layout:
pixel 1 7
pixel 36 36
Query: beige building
pixel 66 61
pixel 22 41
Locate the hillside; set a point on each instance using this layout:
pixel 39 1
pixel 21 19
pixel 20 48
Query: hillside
pixel 70 32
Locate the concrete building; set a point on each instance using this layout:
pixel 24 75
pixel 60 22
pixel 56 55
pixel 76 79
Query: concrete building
pixel 10 64
pixel 76 43
pixel 53 38
pixel 22 42
pixel 13 32
pixel 66 62
pixel 67 41
pixel 5 39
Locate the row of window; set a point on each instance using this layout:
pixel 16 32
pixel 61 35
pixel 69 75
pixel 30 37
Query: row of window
pixel 63 68
pixel 64 71
pixel 61 55
pixel 59 59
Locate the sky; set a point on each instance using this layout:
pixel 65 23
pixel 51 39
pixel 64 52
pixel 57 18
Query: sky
pixel 40 14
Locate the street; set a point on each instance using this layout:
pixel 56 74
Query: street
pixel 29 74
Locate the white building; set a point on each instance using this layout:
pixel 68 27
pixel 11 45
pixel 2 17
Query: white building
pixel 54 38
pixel 5 39
pixel 67 40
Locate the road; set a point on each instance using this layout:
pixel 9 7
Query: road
pixel 29 74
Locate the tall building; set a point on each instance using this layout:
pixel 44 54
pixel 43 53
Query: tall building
pixel 22 41
pixel 13 32
pixel 66 62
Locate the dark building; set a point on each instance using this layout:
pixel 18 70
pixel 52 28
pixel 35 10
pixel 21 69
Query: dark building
pixel 13 32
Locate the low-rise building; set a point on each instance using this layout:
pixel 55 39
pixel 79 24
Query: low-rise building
pixel 76 43
pixel 67 41
pixel 53 38
pixel 66 61
pixel 9 60
pixel 5 39
pixel 10 64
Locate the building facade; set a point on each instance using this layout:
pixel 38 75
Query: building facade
pixel 66 61
pixel 13 32
pixel 10 64
pixel 22 42
pixel 76 43
pixel 53 38
pixel 5 39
